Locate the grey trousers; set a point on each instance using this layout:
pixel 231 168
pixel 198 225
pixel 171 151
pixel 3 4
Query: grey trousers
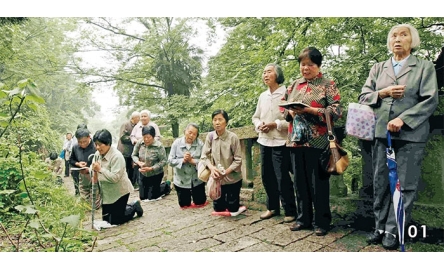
pixel 408 156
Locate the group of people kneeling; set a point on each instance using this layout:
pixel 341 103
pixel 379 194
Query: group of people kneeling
pixel 402 92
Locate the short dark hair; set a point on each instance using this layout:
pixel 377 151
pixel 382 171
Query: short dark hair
pixel 53 156
pixel 82 132
pixel 279 72
pixel 81 126
pixel 103 136
pixel 194 126
pixel 311 53
pixel 148 130
pixel 220 111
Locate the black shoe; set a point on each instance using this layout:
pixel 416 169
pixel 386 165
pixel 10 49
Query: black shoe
pixel 375 238
pixel 390 241
pixel 139 209
pixel 320 232
pixel 297 227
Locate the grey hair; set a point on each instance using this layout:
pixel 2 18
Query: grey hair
pixel 145 112
pixel 413 32
pixel 192 125
pixel 135 114
pixel 279 72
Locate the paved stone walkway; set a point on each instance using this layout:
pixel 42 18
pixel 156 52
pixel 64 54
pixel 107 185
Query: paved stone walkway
pixel 166 227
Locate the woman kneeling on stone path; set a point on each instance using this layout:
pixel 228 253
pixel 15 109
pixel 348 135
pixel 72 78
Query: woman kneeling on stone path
pixel 110 173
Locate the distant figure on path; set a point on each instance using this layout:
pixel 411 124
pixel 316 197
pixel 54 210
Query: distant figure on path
pixel 125 145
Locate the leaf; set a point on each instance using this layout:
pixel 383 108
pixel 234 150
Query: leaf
pixel 19 208
pixel 30 210
pixel 12 92
pixel 23 195
pixel 35 98
pixel 40 175
pixel 23 83
pixel 47 235
pixel 72 220
pixel 34 224
pixel 7 191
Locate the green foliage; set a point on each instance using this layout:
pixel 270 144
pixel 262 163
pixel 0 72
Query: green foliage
pixel 432 172
pixel 154 64
pixel 33 206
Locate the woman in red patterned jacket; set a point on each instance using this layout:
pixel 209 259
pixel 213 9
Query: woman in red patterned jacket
pixel 311 183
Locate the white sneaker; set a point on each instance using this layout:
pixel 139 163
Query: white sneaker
pixel 240 210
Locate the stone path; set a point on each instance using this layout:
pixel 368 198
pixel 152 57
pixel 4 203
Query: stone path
pixel 166 227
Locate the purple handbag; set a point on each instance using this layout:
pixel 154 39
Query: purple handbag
pixel 361 122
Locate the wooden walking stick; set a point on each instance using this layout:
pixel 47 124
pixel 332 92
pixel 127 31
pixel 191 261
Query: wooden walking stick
pixel 94 178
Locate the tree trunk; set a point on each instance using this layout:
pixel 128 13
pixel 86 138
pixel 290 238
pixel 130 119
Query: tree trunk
pixel 175 128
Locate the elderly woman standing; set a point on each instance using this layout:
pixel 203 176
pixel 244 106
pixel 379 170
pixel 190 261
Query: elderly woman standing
pixel 275 156
pixel 145 120
pixel 225 150
pixel 184 156
pixel 403 94
pixel 311 183
pixel 149 154
pixel 109 171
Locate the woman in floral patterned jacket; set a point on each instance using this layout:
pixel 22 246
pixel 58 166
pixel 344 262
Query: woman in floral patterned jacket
pixel 311 183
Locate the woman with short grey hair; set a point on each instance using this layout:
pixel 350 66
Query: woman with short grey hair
pixel 403 92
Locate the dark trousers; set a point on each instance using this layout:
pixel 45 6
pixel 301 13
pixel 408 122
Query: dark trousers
pixel 66 168
pixel 130 169
pixel 184 195
pixel 229 198
pixel 149 187
pixel 276 179
pixel 408 157
pixel 75 178
pixel 312 187
pixel 118 212
pixel 136 175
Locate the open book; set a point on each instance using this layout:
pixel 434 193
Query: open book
pixel 293 104
pixel 78 169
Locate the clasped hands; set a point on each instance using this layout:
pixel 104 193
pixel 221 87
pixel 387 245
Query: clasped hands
pixel 216 174
pixel 266 127
pixel 142 168
pixel 187 158
pixel 394 91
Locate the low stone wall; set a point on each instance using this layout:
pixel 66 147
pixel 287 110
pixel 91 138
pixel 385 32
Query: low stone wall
pixel 431 189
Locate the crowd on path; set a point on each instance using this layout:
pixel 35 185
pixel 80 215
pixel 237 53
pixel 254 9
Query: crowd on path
pixel 293 136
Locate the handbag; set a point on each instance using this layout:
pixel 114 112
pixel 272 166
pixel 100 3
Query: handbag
pixel 203 173
pixel 334 159
pixel 361 121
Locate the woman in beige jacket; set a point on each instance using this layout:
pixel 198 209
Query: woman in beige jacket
pixel 225 164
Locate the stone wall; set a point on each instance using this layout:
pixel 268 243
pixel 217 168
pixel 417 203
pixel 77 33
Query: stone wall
pixel 431 189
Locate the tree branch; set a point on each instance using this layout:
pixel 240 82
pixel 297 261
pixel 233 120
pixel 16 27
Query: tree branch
pixel 22 99
pixel 119 32
pixel 9 237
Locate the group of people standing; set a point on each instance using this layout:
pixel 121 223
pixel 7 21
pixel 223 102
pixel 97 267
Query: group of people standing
pixel 403 94
pixel 306 201
pixel 402 91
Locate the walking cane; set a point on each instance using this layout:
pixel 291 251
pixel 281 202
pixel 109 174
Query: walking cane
pixel 92 175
